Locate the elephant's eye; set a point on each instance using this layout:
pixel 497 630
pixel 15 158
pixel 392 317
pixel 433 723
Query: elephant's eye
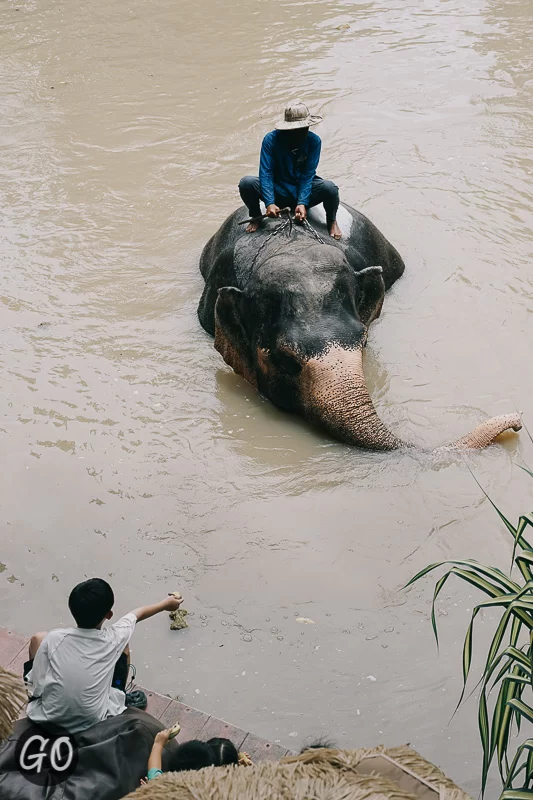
pixel 285 362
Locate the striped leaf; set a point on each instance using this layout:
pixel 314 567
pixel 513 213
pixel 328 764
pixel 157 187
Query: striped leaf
pixel 518 608
pixel 517 679
pixel 467 657
pixel 438 586
pixel 492 573
pixel 513 655
pixel 484 735
pixel 503 731
pixel 424 572
pixel 480 583
pixel 516 767
pixel 524 562
pixel 497 639
pixel 517 655
pixel 522 709
pixel 529 769
pixel 523 522
pixel 501 724
pixel 515 631
pixel 526 589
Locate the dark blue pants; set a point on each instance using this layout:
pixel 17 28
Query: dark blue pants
pixel 322 191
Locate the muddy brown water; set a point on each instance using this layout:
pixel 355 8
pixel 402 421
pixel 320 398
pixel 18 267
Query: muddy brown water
pixel 130 451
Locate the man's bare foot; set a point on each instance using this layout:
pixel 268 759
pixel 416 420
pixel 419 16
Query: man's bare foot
pixel 334 230
pixel 252 226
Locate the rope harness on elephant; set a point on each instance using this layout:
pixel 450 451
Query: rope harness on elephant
pixel 286 224
pixel 309 228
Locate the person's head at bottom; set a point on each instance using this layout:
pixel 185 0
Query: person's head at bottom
pixel 224 751
pixel 191 755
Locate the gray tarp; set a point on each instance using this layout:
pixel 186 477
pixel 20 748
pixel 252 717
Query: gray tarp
pixel 113 757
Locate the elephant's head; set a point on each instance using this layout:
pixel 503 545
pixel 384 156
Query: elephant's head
pixel 297 334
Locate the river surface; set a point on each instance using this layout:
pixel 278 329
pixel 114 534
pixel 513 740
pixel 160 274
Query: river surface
pixel 130 450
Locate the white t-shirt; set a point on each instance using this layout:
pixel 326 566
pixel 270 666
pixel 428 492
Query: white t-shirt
pixel 72 673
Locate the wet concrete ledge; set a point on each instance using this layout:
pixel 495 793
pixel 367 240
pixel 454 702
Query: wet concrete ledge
pixel 194 723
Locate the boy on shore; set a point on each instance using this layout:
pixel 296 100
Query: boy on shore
pixel 77 676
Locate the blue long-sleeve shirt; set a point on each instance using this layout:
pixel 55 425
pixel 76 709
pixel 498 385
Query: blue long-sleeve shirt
pixel 288 174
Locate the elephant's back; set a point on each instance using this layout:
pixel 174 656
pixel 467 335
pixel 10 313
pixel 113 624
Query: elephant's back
pixel 349 220
pixel 239 247
pixel 357 230
pixel 362 243
pixel 225 238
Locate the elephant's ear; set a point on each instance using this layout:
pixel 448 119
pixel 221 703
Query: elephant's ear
pixel 371 291
pixel 231 338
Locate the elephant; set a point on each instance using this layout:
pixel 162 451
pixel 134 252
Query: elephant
pixel 289 308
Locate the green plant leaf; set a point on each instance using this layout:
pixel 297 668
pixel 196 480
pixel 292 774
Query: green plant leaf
pixel 527 589
pixel 517 679
pixel 510 528
pixel 513 655
pixel 529 768
pixel 475 580
pixel 503 729
pixel 470 577
pixel 484 734
pixel 501 721
pixel 522 709
pixel 480 583
pixel 518 655
pixel 503 600
pixel 515 631
pixel 467 656
pixel 513 771
pixel 438 586
pixel 524 561
pixel 423 572
pixel 515 608
pixel 497 638
pixel 523 522
pixel 488 572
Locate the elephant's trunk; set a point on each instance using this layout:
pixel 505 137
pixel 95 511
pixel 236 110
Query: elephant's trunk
pixel 485 433
pixel 334 395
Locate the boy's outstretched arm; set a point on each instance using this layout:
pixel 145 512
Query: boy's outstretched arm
pixel 156 755
pixel 170 603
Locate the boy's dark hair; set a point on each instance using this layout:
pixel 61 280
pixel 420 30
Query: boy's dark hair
pixel 191 755
pixel 225 751
pixel 90 601
pixel 318 744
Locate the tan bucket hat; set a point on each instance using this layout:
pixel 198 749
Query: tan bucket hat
pixel 297 115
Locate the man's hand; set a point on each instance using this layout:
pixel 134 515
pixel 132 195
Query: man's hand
pixel 272 210
pixel 300 213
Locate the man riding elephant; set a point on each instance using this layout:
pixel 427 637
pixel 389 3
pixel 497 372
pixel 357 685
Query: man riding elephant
pixel 287 173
